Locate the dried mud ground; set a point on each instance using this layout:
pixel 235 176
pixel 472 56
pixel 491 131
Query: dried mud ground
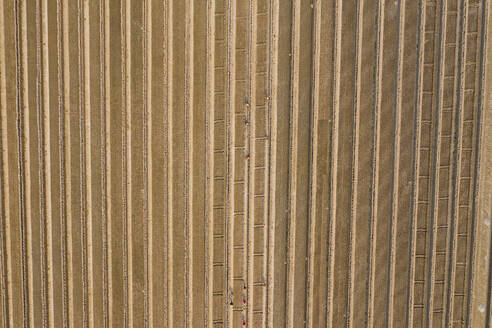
pixel 245 163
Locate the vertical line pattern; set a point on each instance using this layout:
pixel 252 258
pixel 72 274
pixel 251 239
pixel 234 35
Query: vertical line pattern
pixel 87 160
pixel 431 265
pixel 189 162
pixel 265 200
pixel 106 135
pixel 337 13
pixel 258 303
pixel 479 137
pixel 458 138
pixel 27 173
pixel 148 163
pixel 209 188
pixel 128 128
pixel 47 158
pixel 24 159
pixel 251 146
pixel 374 197
pixel 63 105
pixel 396 164
pixel 19 79
pixel 293 133
pixel 315 81
pixel 265 157
pixel 5 195
pixel 147 153
pixel 169 116
pixel 477 157
pixel 415 165
pixel 41 189
pixel 126 161
pixel 80 62
pixel 354 161
pixel 230 136
pixel 242 222
pixel 165 47
pixel 272 105
pixel 105 172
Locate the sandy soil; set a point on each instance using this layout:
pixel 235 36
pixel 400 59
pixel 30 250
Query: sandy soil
pixel 232 163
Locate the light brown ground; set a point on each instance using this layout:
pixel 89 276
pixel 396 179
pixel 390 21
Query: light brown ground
pixel 259 163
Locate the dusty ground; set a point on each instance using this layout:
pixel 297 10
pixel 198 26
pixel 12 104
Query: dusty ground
pixel 259 163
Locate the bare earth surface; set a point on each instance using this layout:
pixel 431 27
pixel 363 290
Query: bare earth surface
pixel 245 163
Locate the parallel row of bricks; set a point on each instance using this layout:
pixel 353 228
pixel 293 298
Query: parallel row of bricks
pixel 445 157
pixel 236 296
pixel 444 183
pixel 240 118
pixel 220 169
pixel 466 175
pixel 233 296
pixel 260 171
pixel 423 210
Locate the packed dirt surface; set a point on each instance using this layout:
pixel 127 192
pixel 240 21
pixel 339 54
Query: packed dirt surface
pixel 245 163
